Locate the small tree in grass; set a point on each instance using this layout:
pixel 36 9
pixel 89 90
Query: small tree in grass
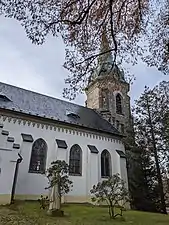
pixel 113 191
pixel 59 184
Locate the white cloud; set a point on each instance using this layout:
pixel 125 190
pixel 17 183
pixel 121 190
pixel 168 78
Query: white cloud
pixel 145 76
pixel 23 64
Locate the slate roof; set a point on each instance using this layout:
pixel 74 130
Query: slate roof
pixel 29 102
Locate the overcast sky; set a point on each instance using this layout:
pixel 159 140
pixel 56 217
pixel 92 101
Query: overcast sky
pixel 39 68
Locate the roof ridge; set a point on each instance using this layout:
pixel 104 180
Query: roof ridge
pixel 34 103
pixel 49 96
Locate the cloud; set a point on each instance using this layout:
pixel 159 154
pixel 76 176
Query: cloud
pixel 39 68
pixel 145 76
pixel 27 65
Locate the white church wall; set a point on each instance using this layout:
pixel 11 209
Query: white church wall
pixel 94 170
pixel 61 154
pixel 123 170
pixel 8 160
pixel 31 185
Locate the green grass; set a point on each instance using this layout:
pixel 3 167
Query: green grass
pixel 29 213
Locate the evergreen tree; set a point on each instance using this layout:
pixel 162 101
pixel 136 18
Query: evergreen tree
pixel 143 189
pixel 140 170
pixel 166 129
pixel 150 112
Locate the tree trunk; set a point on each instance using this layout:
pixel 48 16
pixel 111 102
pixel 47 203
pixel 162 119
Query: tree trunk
pixel 160 182
pixel 111 210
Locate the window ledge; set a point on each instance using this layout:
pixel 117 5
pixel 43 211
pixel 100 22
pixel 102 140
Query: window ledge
pixel 105 177
pixel 76 175
pixel 37 172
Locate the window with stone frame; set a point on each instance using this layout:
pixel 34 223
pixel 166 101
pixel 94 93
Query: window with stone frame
pixel 105 99
pixel 105 164
pixel 75 161
pixel 119 104
pixel 38 157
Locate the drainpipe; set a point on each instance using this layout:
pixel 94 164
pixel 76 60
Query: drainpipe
pixel 19 160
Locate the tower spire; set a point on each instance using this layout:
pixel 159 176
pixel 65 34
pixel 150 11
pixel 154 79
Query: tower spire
pixel 105 64
pixel 105 47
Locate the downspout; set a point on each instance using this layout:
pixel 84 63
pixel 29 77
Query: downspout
pixel 19 160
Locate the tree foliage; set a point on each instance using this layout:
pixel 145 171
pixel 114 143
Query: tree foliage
pixel 153 107
pixel 143 180
pixel 81 24
pixel 113 191
pixel 165 126
pixel 150 111
pixel 158 36
pixel 44 202
pixel 58 174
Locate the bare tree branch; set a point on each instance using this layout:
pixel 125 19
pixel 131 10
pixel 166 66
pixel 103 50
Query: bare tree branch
pixel 80 23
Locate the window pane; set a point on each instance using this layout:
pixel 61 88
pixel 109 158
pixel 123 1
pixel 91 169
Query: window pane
pixel 105 164
pixel 107 169
pixel 77 169
pixel 75 160
pixel 38 157
pixel 102 166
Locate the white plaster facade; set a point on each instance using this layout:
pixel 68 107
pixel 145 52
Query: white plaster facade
pixel 32 185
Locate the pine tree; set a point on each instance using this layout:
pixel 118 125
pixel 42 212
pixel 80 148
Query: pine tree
pixel 140 171
pixel 143 189
pixel 150 111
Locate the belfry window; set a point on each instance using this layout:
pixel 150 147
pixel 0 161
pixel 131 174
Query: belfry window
pixel 118 104
pixel 105 164
pixel 38 157
pixel 75 161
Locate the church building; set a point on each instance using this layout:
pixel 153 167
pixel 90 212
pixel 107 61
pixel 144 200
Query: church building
pixel 36 129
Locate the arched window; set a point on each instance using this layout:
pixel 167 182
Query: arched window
pixel 38 157
pixel 118 104
pixel 105 164
pixel 75 160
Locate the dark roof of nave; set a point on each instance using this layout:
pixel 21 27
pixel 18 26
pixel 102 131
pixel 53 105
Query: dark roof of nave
pixel 35 104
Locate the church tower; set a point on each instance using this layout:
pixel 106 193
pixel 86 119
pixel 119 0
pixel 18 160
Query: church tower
pixel 107 91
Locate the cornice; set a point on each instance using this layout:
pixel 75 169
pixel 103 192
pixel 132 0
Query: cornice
pixel 35 123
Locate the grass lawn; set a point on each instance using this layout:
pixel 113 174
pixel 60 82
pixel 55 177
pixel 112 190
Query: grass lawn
pixel 29 213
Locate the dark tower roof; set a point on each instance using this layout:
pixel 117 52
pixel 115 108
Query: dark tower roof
pixel 106 65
